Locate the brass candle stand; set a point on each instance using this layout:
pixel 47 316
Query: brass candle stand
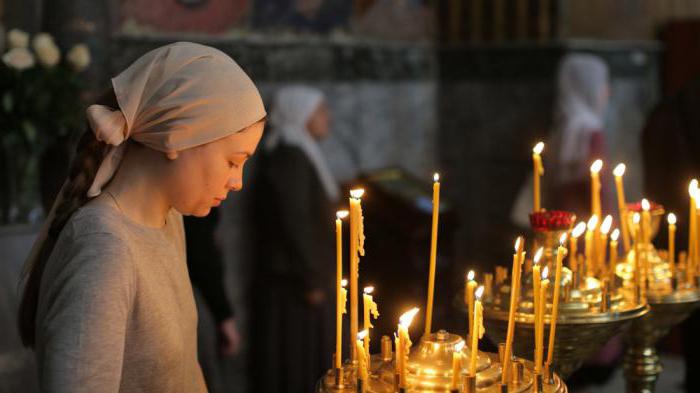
pixel 590 313
pixel 430 370
pixel 671 295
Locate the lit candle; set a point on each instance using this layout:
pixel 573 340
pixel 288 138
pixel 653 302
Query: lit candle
pixel 646 221
pixel 692 231
pixel 538 171
pixel 636 218
pixel 539 318
pixel 561 252
pixel 370 307
pixel 604 230
pixel 622 206
pixel 362 357
pixel 469 289
pixel 433 254
pixel 340 300
pixel 590 238
pixel 518 257
pixel 457 364
pixel 595 187
pixel 573 244
pixel 613 256
pixel 355 229
pixel 405 344
pixel 478 330
pixel 672 243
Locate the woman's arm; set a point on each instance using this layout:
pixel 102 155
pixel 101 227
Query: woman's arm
pixel 82 331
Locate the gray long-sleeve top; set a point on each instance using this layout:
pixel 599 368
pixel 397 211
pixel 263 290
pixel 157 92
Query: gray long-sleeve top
pixel 116 310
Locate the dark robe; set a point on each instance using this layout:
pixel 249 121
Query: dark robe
pixel 671 150
pixel 291 340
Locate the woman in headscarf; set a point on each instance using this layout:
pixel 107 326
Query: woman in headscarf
pixel 578 135
pixel 291 312
pixel 107 301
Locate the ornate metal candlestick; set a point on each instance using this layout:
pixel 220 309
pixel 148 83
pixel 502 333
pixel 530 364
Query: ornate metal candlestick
pixel 670 304
pixel 430 370
pixel 589 315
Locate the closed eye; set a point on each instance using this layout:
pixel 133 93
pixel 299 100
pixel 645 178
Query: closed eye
pixel 232 165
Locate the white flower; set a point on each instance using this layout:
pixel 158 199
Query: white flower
pixel 46 50
pixel 18 58
pixel 17 39
pixel 79 57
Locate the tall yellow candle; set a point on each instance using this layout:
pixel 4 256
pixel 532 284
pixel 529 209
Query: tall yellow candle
pixel 469 289
pixel 613 256
pixel 355 236
pixel 433 254
pixel 405 344
pixel 362 357
pixel 539 317
pixel 537 172
pixel 478 330
pixel 457 364
pixel 622 206
pixel 573 245
pixel 340 300
pixel 518 258
pixel 692 231
pixel 604 230
pixel 590 239
pixel 595 188
pixel 561 252
pixel 370 311
pixel 672 243
pixel 636 218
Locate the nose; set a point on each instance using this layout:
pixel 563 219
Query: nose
pixel 235 183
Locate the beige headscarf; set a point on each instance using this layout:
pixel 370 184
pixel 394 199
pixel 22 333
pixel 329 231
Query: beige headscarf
pixel 173 98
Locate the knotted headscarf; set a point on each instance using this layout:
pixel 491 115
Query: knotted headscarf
pixel 173 98
pixel 292 107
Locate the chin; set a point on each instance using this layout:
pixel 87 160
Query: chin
pixel 202 212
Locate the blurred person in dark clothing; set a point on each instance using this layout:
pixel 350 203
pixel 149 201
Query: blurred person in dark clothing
pixel 670 146
pixel 292 296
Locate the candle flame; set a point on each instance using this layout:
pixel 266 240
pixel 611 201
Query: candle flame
pixel 357 193
pixel 596 166
pixel 538 255
pixel 436 177
pixel 368 290
pixel 545 272
pixel 538 148
pixel 479 291
pixel 615 235
pixel 607 223
pixel 592 222
pixel 459 346
pixel 407 317
pixel 517 244
pixel 645 205
pixel 562 239
pixel 671 218
pixel 619 170
pixel 361 335
pixel 470 275
pixel 578 230
pixel 343 282
pixel 340 214
pixel 636 218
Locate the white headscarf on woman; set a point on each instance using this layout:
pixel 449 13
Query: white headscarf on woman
pixel 580 110
pixel 173 98
pixel 291 109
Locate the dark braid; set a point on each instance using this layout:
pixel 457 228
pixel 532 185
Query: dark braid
pixel 89 155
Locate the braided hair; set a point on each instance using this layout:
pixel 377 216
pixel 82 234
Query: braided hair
pixel 88 157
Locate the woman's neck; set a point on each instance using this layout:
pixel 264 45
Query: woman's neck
pixel 136 189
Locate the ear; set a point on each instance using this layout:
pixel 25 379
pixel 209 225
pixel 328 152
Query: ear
pixel 171 155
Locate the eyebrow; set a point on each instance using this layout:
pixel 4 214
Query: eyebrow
pixel 245 153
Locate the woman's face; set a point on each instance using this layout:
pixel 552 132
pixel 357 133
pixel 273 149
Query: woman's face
pixel 319 122
pixel 201 177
